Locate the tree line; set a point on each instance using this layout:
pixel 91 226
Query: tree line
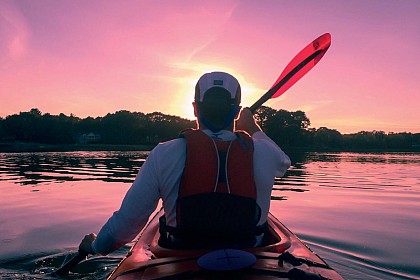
pixel 288 129
pixel 120 128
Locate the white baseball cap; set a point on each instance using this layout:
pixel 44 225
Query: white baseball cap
pixel 218 79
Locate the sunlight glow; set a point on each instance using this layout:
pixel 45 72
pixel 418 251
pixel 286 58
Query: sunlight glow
pixel 186 86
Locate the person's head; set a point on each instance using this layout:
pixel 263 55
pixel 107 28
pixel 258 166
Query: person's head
pixel 217 100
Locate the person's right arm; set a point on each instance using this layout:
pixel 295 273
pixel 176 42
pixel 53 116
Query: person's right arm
pixel 279 159
pixel 247 123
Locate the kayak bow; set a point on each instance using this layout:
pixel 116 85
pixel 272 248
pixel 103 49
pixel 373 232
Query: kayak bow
pixel 283 255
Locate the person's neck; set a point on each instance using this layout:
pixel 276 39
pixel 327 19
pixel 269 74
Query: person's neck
pixel 203 127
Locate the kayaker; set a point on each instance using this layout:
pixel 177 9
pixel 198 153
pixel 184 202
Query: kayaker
pixel 215 182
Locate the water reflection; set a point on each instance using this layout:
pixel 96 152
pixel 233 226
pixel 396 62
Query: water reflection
pixel 300 158
pixel 36 168
pixel 362 171
pixel 359 211
pixel 309 170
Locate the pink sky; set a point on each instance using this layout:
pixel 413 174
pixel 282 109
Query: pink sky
pixel 91 57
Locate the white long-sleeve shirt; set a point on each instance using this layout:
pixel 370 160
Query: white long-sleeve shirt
pixel 160 176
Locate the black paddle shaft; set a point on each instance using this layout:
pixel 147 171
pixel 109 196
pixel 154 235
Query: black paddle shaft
pixel 64 270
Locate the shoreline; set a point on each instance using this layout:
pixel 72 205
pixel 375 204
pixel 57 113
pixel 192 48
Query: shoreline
pixel 21 147
pixel 36 147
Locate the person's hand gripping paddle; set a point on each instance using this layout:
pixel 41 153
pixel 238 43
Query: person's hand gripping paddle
pixel 304 61
pixel 84 250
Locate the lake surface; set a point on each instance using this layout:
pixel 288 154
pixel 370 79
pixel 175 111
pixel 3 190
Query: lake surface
pixel 358 211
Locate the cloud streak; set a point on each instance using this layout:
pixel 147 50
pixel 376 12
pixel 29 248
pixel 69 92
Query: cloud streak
pixel 13 32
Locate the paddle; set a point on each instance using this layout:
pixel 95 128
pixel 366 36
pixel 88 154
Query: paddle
pixel 64 270
pixel 304 61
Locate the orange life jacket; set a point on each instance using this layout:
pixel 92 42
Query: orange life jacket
pixel 216 204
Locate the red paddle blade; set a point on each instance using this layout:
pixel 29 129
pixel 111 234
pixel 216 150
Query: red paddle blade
pixel 312 52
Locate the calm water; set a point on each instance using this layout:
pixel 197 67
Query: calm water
pixel 360 212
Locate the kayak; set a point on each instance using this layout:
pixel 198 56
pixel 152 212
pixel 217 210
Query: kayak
pixel 282 255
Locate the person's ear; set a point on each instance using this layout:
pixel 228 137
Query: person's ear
pixel 238 110
pixel 195 109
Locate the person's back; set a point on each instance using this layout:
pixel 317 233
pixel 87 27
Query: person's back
pixel 217 204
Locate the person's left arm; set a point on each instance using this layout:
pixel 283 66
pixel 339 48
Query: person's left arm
pixel 124 225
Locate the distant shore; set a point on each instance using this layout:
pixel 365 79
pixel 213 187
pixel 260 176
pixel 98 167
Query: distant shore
pixel 20 147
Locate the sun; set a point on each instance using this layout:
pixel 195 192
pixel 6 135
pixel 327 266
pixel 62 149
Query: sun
pixel 185 84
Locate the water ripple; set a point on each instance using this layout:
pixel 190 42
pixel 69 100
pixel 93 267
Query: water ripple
pixel 36 168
